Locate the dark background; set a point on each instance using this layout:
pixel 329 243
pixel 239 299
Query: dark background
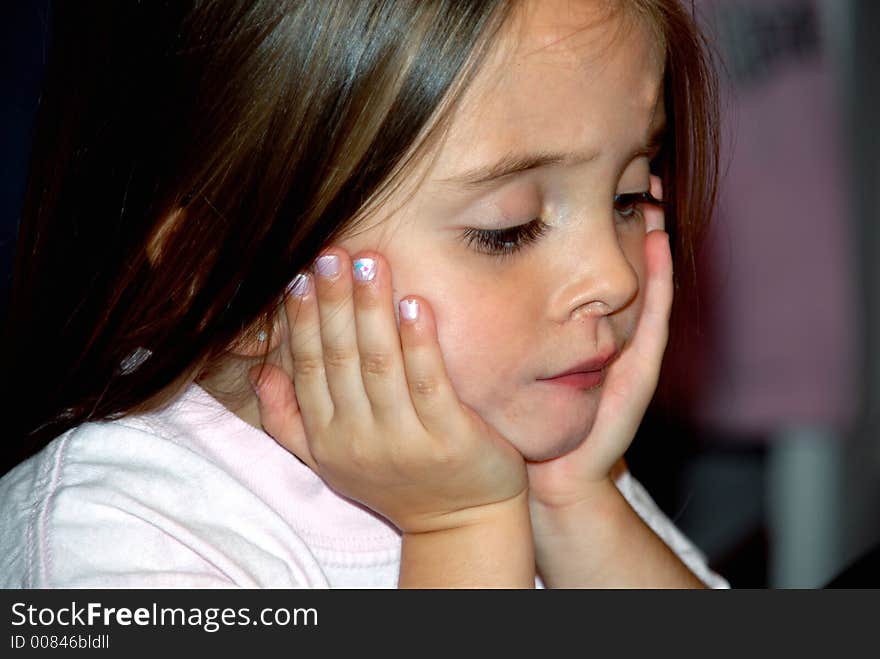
pixel 717 488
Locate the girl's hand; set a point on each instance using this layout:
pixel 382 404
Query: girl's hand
pixel 371 409
pixel 631 380
pixel 586 534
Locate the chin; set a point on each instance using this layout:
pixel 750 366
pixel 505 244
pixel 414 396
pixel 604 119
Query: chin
pixel 540 446
pixel 559 427
pixel 544 427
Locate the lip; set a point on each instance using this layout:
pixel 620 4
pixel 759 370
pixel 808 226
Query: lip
pixel 584 380
pixel 585 375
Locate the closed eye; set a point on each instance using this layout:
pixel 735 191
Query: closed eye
pixel 502 242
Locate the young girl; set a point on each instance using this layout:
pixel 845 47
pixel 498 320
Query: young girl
pixel 367 293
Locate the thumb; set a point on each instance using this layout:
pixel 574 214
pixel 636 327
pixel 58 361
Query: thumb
pixel 633 378
pixel 279 411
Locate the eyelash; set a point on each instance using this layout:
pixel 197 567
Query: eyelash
pixel 503 242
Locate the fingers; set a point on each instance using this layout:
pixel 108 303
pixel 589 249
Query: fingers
pixel 338 331
pixel 310 381
pixel 658 263
pixel 344 339
pixel 279 411
pixel 654 217
pixel 349 356
pixel 378 342
pixel 429 387
pixel 652 331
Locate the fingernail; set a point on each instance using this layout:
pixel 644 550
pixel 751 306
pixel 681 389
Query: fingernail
pixel 364 269
pixel 657 187
pixel 409 309
pixel 654 220
pixel 327 265
pixel 299 286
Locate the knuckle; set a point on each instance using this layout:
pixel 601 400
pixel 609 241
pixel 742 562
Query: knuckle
pixel 308 366
pixel 360 456
pixel 424 386
pixel 376 363
pixel 361 450
pixel 401 461
pixel 319 452
pixel 449 451
pixel 338 356
pixel 447 458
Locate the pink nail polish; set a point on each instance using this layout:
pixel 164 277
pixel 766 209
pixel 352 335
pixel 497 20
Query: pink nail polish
pixel 364 269
pixel 409 309
pixel 327 265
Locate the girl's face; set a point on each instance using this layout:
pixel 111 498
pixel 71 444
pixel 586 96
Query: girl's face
pixel 559 120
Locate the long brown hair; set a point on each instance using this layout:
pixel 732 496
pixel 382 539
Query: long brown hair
pixel 192 157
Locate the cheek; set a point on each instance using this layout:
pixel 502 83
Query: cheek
pixel 482 337
pixel 632 243
pixel 483 332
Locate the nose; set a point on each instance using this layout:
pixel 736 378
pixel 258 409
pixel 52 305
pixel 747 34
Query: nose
pixel 599 279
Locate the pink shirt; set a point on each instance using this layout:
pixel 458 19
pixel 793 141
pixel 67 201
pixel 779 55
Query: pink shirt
pixel 192 496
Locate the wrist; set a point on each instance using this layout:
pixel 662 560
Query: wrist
pixel 488 547
pixel 578 533
pixel 600 541
pixel 596 505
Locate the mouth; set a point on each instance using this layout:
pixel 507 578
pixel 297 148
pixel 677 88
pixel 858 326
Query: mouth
pixel 588 374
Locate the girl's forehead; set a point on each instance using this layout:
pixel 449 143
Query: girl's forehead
pixel 567 30
pixel 562 74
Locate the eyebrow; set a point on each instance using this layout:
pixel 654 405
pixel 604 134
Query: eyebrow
pixel 516 163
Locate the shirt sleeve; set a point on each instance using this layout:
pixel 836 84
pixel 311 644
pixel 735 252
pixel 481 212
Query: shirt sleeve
pixel 111 507
pixel 638 497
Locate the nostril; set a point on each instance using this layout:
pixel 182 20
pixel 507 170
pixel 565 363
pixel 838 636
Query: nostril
pixel 592 309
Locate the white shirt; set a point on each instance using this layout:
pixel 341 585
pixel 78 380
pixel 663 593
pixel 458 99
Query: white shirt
pixel 192 496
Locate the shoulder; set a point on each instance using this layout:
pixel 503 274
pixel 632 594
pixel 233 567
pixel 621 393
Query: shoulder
pixel 122 503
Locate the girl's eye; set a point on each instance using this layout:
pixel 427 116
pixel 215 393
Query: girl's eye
pixel 628 206
pixel 500 242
